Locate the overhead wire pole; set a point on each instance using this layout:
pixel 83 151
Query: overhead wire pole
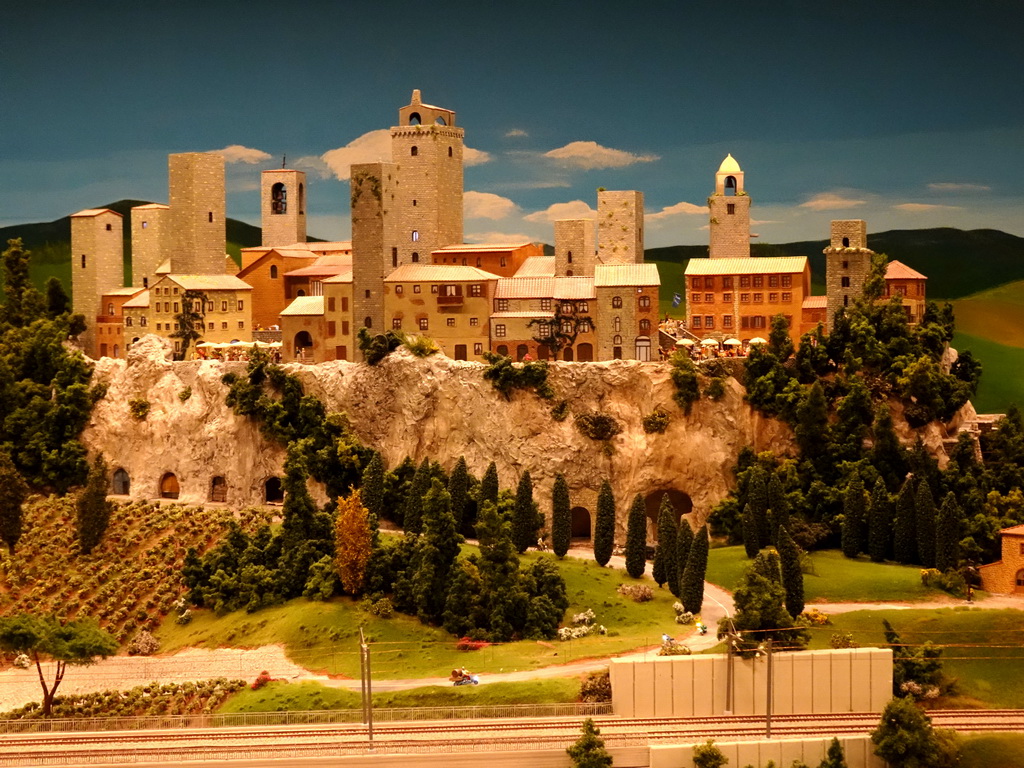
pixel 768 706
pixel 366 686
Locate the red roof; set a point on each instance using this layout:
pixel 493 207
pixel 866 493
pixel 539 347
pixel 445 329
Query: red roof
pixel 897 270
pixel 1015 530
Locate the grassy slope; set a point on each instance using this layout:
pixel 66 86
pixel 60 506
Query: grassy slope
pixel 836 578
pixel 997 750
pixel 322 636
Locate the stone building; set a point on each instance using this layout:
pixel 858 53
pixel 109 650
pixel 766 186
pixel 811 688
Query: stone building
pixel 198 220
pixel 151 241
pixel 730 213
pixel 1006 575
pixel 910 285
pixel 304 331
pixel 847 264
pixel 502 259
pixel 97 266
pixel 227 313
pixel 620 227
pixel 575 247
pixel 283 206
pixel 626 308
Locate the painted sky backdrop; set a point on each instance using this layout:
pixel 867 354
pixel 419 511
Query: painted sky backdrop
pixel 908 114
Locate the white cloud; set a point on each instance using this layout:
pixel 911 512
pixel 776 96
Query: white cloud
pixel 550 184
pixel 313 164
pixel 516 133
pixel 371 147
pixel 679 209
pixel 948 186
pixel 497 237
pixel 921 207
pixel 765 221
pixel 829 201
pixel 487 205
pixel 589 155
pixel 236 153
pixel 472 156
pixel 577 209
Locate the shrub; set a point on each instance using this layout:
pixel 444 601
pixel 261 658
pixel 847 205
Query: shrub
pixel 184 617
pixel 506 376
pixel 375 347
pixel 638 593
pixel 138 407
pixel 468 644
pixel 185 394
pixel 684 376
pixel 708 756
pixel 656 421
pixel 596 686
pixel 683 616
pixel 560 411
pixel 261 679
pixel 815 618
pixel 421 346
pixel 951 581
pixel 598 426
pixel 143 644
pixel 669 647
pixel 382 609
pixel 716 388
pixel 843 640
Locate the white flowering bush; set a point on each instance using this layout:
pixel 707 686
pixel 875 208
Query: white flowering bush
pixel 919 692
pixel 683 616
pixel 22 661
pixel 582 624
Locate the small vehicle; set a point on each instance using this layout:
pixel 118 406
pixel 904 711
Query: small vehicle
pixel 462 677
pixel 702 628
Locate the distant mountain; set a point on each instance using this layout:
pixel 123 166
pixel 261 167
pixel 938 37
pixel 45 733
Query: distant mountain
pixel 957 262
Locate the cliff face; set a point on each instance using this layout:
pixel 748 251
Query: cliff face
pixel 438 408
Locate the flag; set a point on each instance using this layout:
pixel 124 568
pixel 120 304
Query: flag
pixel 676 300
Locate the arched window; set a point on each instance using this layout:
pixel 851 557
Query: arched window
pixel 645 302
pixel 645 326
pixel 121 485
pixel 730 185
pixel 616 340
pixel 302 199
pixel 568 273
pixel 110 309
pixel 616 302
pixel 449 151
pixel 128 321
pixel 368 322
pixel 617 322
pixel 278 198
pixel 273 271
pixel 503 350
pixel 414 151
pixel 414 118
pixel 643 348
pixel 440 121
pixel 415 258
pixel 846 242
pixel 300 292
pixel 415 235
pixel 568 257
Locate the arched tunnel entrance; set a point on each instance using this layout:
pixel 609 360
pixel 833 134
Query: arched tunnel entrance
pixel 681 502
pixel 581 526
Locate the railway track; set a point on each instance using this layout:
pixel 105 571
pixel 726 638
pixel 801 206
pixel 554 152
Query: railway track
pixel 436 737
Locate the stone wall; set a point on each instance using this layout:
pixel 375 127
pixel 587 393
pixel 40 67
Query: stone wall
pixel 151 234
pixel 286 227
pixel 196 183
pixel 574 247
pixel 620 227
pixel 374 240
pixel 97 253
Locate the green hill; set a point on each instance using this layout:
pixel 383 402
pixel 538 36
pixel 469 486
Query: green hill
pixel 957 262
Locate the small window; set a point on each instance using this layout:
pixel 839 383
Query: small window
pixel 474 321
pixel 645 301
pixel 709 283
pixel 499 331
pixel 726 283
pixel 415 236
pixel 695 322
pixel 758 298
pixel 846 244
pixel 414 151
pixel 787 281
pixel 109 228
pixel 424 324
pixel 416 289
pixel 708 297
pixel 210 217
pixel 478 349
pixel 398 290
pixel 110 309
pixel 394 257
pixel 367 296
pixel 787 297
pixel 744 298
pixel 223 307
pixel 223 326
pixel 396 323
pixel 503 262
pixel 616 302
pixel 145 225
pixel 145 282
pixel 413 203
pixel 645 325
pixel 476 290
pixel 415 258
pixel 368 321
pixel 143 321
pixel 83 261
pixel 758 281
pixel 569 257
pixel 176 310
pixel 451 322
pixel 503 305
pixel 709 323
pixel 449 151
pixel 845 282
pixel 128 321
pixel 273 271
pixel 545 305
pixel 212 326
pixel 773 281
pixel 241 325
pixel 617 324
pixel 239 305
pixel 773 298
pixel 727 321
pixel 695 298
pixel 846 301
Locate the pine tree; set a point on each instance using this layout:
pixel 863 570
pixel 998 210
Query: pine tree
pixel 57 300
pixel 760 605
pixel 666 561
pixel 306 532
pixel 372 490
pixel 888 455
pixel 792 575
pixel 437 550
pixel 880 528
pixel 93 509
pixel 526 520
pixel 353 541
pixel 489 485
pixel 947 534
pixel 692 581
pixel 778 506
pixel 561 517
pixel 904 528
pixel 854 517
pixel 835 757
pixel 22 302
pixel 924 524
pixel 412 513
pixel 458 489
pixel 502 593
pixel 757 498
pixel 604 526
pixel 684 543
pixel 751 541
pixel 588 750
pixel 812 430
pixel 13 496
pixel 636 538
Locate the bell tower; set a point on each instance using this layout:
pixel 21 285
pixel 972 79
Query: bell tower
pixel 847 264
pixel 283 206
pixel 730 213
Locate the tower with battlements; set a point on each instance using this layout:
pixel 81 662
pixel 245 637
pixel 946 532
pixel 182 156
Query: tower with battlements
pixel 847 264
pixel 730 213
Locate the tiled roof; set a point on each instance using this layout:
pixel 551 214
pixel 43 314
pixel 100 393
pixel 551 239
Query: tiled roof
pixel 482 247
pixel 611 275
pixel 341 277
pixel 815 302
pixel 304 305
pixel 574 288
pixel 423 273
pixel 94 212
pixel 748 266
pixel 897 270
pixel 129 291
pixel 537 266
pixel 210 282
pixel 316 270
pixel 335 246
pixel 151 207
pixel 139 302
pixel 525 288
pixel 295 253
pixel 523 314
pixel 1017 530
pixel 165 268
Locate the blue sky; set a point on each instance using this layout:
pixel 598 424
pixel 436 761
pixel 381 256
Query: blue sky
pixel 906 114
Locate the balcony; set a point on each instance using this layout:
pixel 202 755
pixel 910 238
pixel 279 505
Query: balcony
pixel 449 301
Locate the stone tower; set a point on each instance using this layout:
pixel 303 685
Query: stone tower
pixel 847 264
pixel 620 227
pixel 97 265
pixel 151 240
pixel 196 181
pixel 375 233
pixel 426 148
pixel 574 248
pixel 283 206
pixel 730 213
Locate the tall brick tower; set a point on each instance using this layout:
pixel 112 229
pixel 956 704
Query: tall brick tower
pixel 375 231
pixel 196 181
pixel 426 148
pixel 620 227
pixel 283 206
pixel 97 265
pixel 151 241
pixel 847 264
pixel 730 213
pixel 574 248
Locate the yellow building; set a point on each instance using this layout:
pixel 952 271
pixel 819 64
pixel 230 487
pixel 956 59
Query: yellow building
pixel 303 331
pixel 227 314
pixel 339 342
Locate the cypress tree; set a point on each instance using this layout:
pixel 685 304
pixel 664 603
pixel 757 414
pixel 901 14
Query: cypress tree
pixel 792 575
pixel 437 550
pixel 692 581
pixel 372 490
pixel 778 507
pixel 666 562
pixel 947 534
pixel 854 516
pixel 888 455
pixel 525 518
pixel 751 541
pixel 13 495
pixel 458 489
pixel 489 486
pixel 561 517
pixel 880 528
pixel 812 429
pixel 835 757
pixel 93 508
pixel 604 526
pixel 57 300
pixel 636 538
pixel 757 498
pixel 904 528
pixel 412 514
pixel 684 543
pixel 924 524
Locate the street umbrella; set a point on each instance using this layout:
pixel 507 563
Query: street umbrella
pixel 732 342
pixel 684 343
pixel 757 340
pixel 710 342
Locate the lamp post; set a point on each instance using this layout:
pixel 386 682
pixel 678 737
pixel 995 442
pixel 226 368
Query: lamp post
pixel 366 687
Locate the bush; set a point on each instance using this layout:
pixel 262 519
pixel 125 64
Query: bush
pixel 185 394
pixel 638 593
pixel 468 644
pixel 716 388
pixel 815 618
pixel 375 347
pixel 143 644
pixel 382 609
pixel 684 376
pixel 708 756
pixel 843 640
pixel 598 426
pixel 951 581
pixel 669 647
pixel 683 616
pixel 138 407
pixel 656 421
pixel 261 679
pixel 596 687
pixel 560 411
pixel 421 346
pixel 506 376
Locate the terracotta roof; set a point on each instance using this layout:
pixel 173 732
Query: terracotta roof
pixel 537 266
pixel 94 212
pixel 1016 530
pixel 747 266
pixel 210 282
pixel 341 277
pixel 315 270
pixel 897 270
pixel 524 314
pixel 139 302
pixel 129 291
pixel 423 273
pixel 815 302
pixel 151 207
pixel 482 247
pixel 304 305
pixel 626 274
pixel 336 245
pixel 574 288
pixel 525 288
pixel 295 253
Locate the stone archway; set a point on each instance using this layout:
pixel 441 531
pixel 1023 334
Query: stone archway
pixel 580 524
pixel 169 488
pixel 652 503
pixel 273 491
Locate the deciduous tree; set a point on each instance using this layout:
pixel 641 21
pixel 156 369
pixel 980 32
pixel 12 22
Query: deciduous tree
pixel 760 605
pixel 636 538
pixel 353 542
pixel 905 738
pixel 13 496
pixel 604 526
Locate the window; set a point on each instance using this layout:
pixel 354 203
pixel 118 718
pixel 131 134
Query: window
pixel 544 330
pixel 499 331
pixel 645 326
pixel 223 306
pixel 773 298
pixel 786 297
pixel 210 217
pixel 451 322
pixel 758 298
pixel 158 326
pixel 695 298
pixel 223 326
pixel 727 321
pixel 709 322
pixel 730 208
pixel 1022 547
pixel 239 305
pixel 567 308
pixel 278 198
pixel 344 327
pixel 145 224
pixel 109 227
pixel 110 309
pixel 415 236
pixel 758 281
pixel 617 324
pixel 83 261
pixel 695 283
pixel 433 289
pixel 474 322
pixel 744 322
pixel 128 321
pixel 773 281
pixel 709 283
pixel 398 290
pixel 478 349
pixel 709 298
pixel 845 282
pixel 744 298
pixel 330 304
pixel 241 325
pixel 415 151
pixel 396 323
pixel 726 283
pixel 416 289
pixel 616 302
pixel 449 151
pixel 476 289
pixel 211 326
pixel 757 321
pixel 368 321
pixel 569 257
pixel 424 324
pixel 726 297
pixel 744 281
pixel 583 306
pixel 503 305
pixel 695 322
pixel 846 264
pixel 413 205
pixel 787 281
pixel 545 305
pixel 503 261
pixel 344 303
pixel 176 310
pixel 846 301
pixel 209 306
pixel 273 271
pixel 616 340
pixel 645 301
pixel 415 258
pixel 143 321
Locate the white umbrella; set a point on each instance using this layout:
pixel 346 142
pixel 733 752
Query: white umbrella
pixel 732 342
pixel 684 343
pixel 710 342
pixel 757 340
pixel 205 344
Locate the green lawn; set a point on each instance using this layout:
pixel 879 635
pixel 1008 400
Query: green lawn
pixel 323 636
pixel 1002 373
pixel 281 696
pixel 836 579
pixel 672 282
pixel 989 667
pixel 996 750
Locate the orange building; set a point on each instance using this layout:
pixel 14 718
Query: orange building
pixel 110 324
pixel 911 285
pixel 265 269
pixel 303 330
pixel 1006 576
pixel 503 259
